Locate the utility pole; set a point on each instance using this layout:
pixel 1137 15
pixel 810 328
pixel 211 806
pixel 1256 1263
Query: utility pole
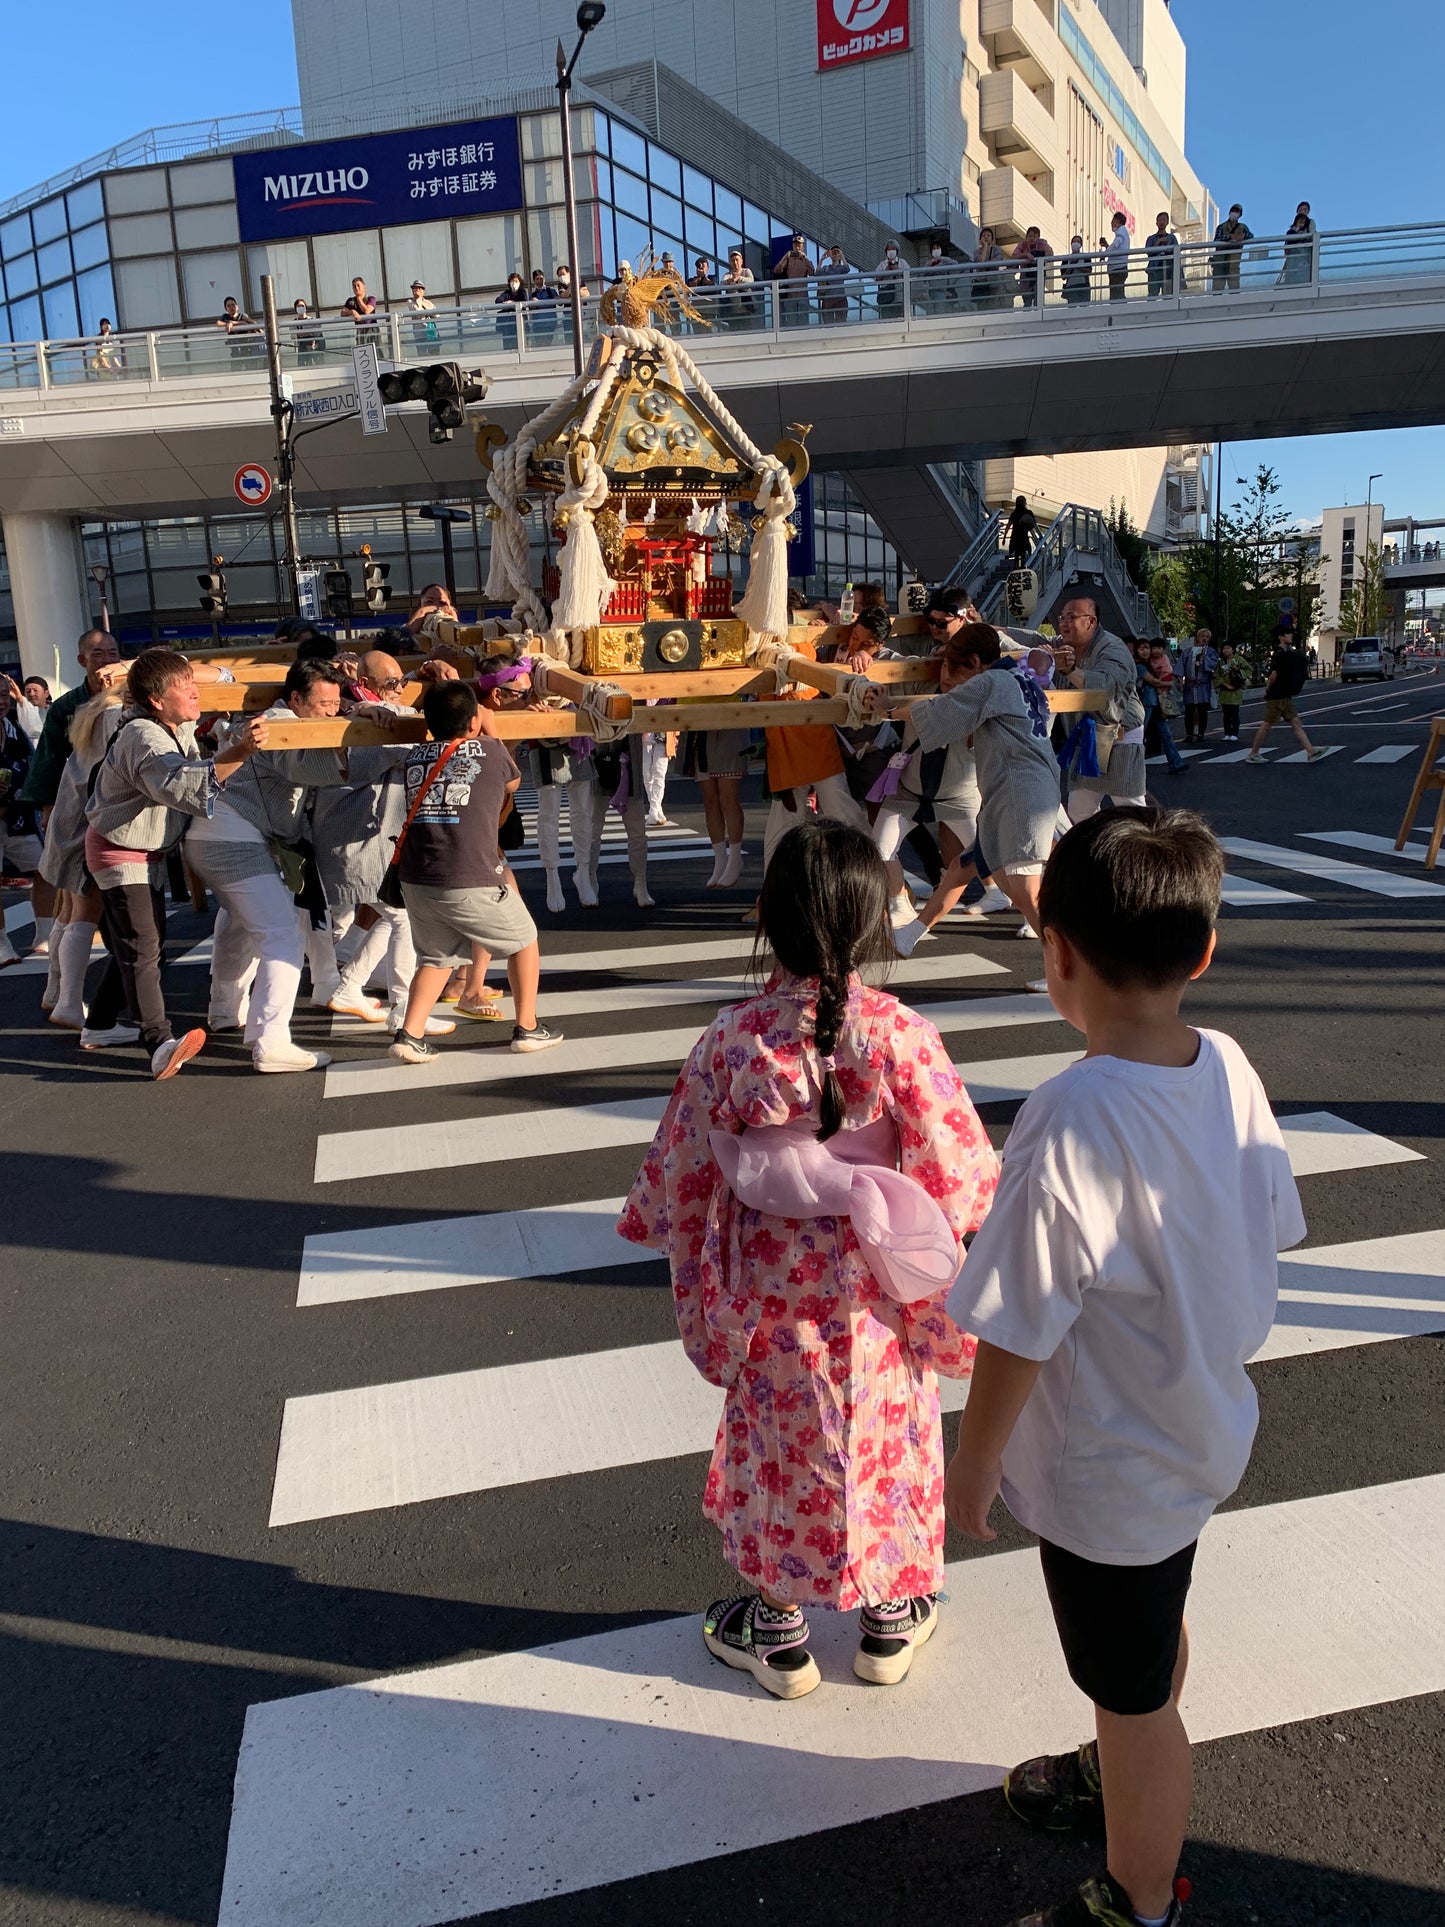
pixel 1366 595
pixel 589 15
pixel 281 416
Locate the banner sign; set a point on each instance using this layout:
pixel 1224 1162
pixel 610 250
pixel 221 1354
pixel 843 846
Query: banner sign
pixel 851 30
pixel 380 180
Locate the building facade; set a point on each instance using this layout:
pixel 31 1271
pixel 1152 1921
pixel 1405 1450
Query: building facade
pixel 1346 535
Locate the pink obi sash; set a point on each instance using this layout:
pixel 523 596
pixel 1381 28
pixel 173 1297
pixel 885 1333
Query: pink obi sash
pixel 784 1170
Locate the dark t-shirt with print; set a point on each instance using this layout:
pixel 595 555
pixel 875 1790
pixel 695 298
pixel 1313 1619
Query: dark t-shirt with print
pixel 452 842
pixel 1290 669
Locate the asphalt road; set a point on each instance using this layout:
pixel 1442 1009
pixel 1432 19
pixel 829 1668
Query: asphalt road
pixel 153 1343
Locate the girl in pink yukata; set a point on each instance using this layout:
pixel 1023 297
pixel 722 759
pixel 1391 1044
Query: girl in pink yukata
pixel 811 1183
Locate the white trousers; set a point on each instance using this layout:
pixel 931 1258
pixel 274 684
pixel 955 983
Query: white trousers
pixel 257 940
pixel 1083 804
pixel 835 802
pixel 388 942
pixel 632 822
pixel 892 827
pixel 655 760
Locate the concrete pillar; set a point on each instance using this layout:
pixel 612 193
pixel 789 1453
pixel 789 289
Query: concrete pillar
pixel 47 583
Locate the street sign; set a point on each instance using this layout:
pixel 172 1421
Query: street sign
pixel 308 594
pixel 252 485
pixel 1286 605
pixel 366 362
pixel 325 404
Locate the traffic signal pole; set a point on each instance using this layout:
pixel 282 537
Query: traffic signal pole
pixel 285 464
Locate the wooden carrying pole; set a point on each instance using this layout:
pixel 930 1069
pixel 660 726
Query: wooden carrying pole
pixel 1429 778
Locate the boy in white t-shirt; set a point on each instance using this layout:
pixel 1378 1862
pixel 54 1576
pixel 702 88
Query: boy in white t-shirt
pixel 1125 1273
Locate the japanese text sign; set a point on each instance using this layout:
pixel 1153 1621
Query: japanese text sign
pixel 851 30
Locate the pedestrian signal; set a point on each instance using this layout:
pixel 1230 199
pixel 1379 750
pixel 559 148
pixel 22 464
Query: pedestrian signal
pixel 374 575
pixel 337 583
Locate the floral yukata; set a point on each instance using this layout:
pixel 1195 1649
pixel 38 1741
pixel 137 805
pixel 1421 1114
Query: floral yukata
pixel 827 1473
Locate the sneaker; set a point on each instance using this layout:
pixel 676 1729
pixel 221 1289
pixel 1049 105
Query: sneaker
pixel 174 1052
pixel 434 1027
pixel 1254 757
pixel 751 1638
pixel 1057 1790
pixel 105 1039
pixel 890 1635
pixel 1316 754
pixel 1101 1903
pixel 908 936
pixel 1026 933
pixel 413 1050
pixel 537 1038
pixel 1179 769
pixel 288 1057
pixel 356 1003
pixel 992 899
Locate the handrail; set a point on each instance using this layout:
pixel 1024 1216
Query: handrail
pixel 1208 279
pixel 984 546
pixel 1077 529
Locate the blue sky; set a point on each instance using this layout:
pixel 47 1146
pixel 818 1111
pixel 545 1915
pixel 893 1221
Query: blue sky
pixel 1287 101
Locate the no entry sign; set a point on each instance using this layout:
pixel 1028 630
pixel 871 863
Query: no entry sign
pixel 252 485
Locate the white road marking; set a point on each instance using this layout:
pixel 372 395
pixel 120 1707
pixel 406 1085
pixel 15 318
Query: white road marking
pixel 1375 845
pixel 1318 1142
pixel 1236 756
pixel 1329 869
pixel 1244 893
pixel 369 1076
pixel 1359 1294
pixel 1303 755
pixel 1389 753
pixel 563 1130
pixel 485 1784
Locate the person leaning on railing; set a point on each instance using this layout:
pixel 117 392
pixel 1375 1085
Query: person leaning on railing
pixel 1076 273
pixel 989 273
pixel 1299 249
pixel 1161 253
pixel 738 297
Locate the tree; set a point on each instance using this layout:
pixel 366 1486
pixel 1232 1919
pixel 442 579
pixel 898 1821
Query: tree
pixel 1365 605
pixel 1134 551
pixel 1172 593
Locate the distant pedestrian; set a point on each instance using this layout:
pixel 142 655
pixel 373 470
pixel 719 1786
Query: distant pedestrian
pixel 833 271
pixel 310 342
pixel 792 274
pixel 1289 671
pixel 739 301
pixel 1023 530
pixel 360 309
pixel 1229 239
pixel 703 285
pixel 1231 679
pixel 938 281
pixel 1030 252
pixel 1197 665
pixel 1299 248
pixel 888 281
pixel 1155 674
pixel 512 297
pixel 1118 261
pixel 541 310
pixel 106 359
pixel 1161 252
pixel 1077 274
pixel 422 311
pixel 989 274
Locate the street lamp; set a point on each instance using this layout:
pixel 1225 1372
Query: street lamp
pixel 443 519
pixel 1363 596
pixel 99 574
pixel 589 15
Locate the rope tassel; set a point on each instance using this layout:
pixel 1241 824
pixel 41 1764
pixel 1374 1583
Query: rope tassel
pixel 585 587
pixel 764 605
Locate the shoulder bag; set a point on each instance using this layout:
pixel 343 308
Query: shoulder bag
pixel 389 892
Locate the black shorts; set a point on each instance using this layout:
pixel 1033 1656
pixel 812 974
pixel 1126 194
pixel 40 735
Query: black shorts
pixel 1119 1625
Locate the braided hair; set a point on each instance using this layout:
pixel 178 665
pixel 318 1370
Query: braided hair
pixel 824 913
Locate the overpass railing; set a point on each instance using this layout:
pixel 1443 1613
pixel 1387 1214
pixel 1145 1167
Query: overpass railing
pixel 1212 279
pixel 1074 532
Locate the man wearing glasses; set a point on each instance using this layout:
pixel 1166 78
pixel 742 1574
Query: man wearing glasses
pixel 380 679
pixel 1086 656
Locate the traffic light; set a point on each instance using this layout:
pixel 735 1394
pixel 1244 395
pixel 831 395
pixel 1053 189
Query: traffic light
pixel 444 387
pixel 373 575
pixel 338 594
pixel 213 590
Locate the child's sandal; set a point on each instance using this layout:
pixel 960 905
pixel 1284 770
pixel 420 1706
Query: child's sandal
pixel 745 1635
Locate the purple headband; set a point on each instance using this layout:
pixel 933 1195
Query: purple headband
pixel 509 672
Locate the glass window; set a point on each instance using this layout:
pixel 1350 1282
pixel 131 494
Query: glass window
pixel 602 132
pixel 584 130
pixel 756 225
pixel 53 260
pixel 666 212
pixel 62 317
pixel 602 173
pixel 4 322
pixel 202 181
pixel 700 235
pixel 97 298
pixel 488 249
pixel 85 204
pixel 289 265
pixel 591 222
pixel 729 212
pixel 49 219
pixel 206 227
pixel 543 182
pixel 606 245
pixel 135 193
pixel 20 276
pixel 208 279
pixel 421 252
pixel 146 293
pixel 15 236
pixel 339 258
pixel 697 188
pixel 629 195
pixel 542 137
pixel 141 234
pixel 633 239
pixel 25 320
pixel 629 149
pixel 664 170
pixel 547 239
pixel 90 247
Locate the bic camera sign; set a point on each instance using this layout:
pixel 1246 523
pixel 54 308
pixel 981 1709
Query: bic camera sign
pixel 851 30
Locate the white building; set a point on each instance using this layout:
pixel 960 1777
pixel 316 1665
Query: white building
pixel 1345 534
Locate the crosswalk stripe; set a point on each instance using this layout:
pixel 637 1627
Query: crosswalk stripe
pixel 935 967
pixel 1235 756
pixel 559 1130
pixel 1389 753
pixel 367 1447
pixel 1329 869
pixel 369 1077
pixel 508 1247
pixel 487 1783
pixel 1303 756
pixel 1244 893
pixel 1375 845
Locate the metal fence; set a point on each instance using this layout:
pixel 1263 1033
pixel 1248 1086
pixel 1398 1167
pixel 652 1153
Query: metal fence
pixel 1207 279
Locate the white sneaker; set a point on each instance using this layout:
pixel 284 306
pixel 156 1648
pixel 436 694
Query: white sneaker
pixel 1040 983
pixel 104 1039
pixel 355 1003
pixel 907 939
pixel 992 899
pixel 435 1026
pixel 174 1052
pixel 288 1057
pixel 1026 933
